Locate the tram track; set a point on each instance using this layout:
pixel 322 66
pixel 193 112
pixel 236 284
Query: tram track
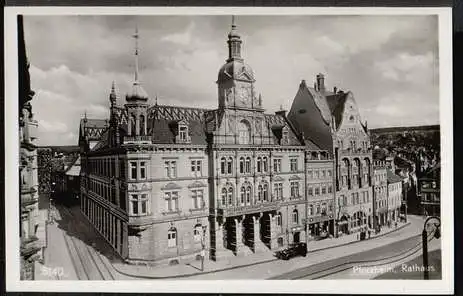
pixel 320 274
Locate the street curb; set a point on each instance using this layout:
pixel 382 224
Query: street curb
pixel 358 241
pixel 246 265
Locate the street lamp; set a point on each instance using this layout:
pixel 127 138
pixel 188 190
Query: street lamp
pixel 203 245
pixel 424 236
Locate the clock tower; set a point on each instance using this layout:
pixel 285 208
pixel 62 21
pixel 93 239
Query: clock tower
pixel 236 79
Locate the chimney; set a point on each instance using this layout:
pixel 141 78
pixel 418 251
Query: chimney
pixel 281 112
pixel 320 82
pixel 335 89
pixel 303 84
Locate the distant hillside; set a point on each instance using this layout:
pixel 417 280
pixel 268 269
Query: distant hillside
pixel 63 149
pixel 401 129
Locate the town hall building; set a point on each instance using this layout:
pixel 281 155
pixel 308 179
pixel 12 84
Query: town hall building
pixel 162 183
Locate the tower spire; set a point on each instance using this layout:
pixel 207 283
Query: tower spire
pixel 136 36
pixel 234 43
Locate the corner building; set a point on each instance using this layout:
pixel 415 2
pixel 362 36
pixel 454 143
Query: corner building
pixel 331 121
pixel 161 183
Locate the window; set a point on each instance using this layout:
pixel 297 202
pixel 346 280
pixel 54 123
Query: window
pixel 183 133
pixel 198 201
pixel 259 164
pixel 197 233
pixel 222 165
pixel 277 165
pixel 330 206
pixel 278 219
pixel 284 137
pixel 196 167
pixel 324 189
pixel 357 199
pixel 171 201
pixel 317 190
pixel 265 164
pixel 244 132
pixel 310 191
pixel 318 209
pixel 171 168
pixel 229 165
pixel 330 189
pixel 310 210
pixel 224 196
pixel 172 238
pixel 324 208
pixel 322 174
pixel 248 195
pixel 230 195
pixel 315 175
pixel 293 164
pixel 294 189
pixel 278 190
pixel 138 204
pixel 353 198
pixel 265 192
pixel 133 170
pixel 310 174
pixel 295 216
pixel 242 195
pixel 142 170
pixel 248 165
pixel 344 199
pixel 242 165
pixel 260 193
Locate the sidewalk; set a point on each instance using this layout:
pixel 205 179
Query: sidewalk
pixel 260 260
pixel 58 263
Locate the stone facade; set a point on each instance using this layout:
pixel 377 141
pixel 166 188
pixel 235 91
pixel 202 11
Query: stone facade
pixel 380 191
pixel 394 197
pixel 32 224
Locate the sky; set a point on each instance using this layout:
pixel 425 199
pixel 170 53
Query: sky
pixel 389 63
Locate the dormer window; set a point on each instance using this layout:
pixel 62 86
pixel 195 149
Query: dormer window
pixel 182 133
pixel 284 136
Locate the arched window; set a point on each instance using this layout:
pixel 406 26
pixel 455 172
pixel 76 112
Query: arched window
pixel 248 195
pixel 224 196
pixel 133 125
pixel 230 195
pixel 278 219
pixel 265 164
pixel 197 235
pixel 259 164
pixel 248 165
pixel 241 165
pixel 244 132
pixel 318 209
pixel 265 192
pixel 230 165
pixel 223 164
pixel 172 237
pixel 295 216
pixel 242 195
pixel 260 193
pixel 142 125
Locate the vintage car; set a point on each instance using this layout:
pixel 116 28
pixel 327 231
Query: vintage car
pixel 292 251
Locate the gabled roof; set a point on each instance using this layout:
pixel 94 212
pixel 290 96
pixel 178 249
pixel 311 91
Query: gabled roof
pixel 393 178
pixel 74 169
pixel 309 114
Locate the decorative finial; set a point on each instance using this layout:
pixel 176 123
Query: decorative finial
pixel 156 100
pixel 136 36
pixel 85 115
pixel 233 23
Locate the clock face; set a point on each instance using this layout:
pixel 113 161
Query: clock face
pixel 244 95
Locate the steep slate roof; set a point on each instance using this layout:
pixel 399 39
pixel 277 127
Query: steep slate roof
pixel 74 169
pixel 336 104
pixel 308 115
pixel 393 178
pixel 93 128
pixel 275 122
pixel 162 121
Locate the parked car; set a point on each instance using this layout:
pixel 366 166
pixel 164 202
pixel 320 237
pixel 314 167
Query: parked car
pixel 292 251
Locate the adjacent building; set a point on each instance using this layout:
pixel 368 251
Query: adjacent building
pixel 380 193
pixel 331 121
pixel 394 197
pixel 429 191
pixel 32 226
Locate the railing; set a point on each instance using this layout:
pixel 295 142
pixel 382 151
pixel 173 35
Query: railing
pixel 137 139
pixel 247 209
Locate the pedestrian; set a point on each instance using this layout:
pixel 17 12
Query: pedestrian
pixel 369 233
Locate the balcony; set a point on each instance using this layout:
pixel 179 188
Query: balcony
pixel 137 139
pixel 248 209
